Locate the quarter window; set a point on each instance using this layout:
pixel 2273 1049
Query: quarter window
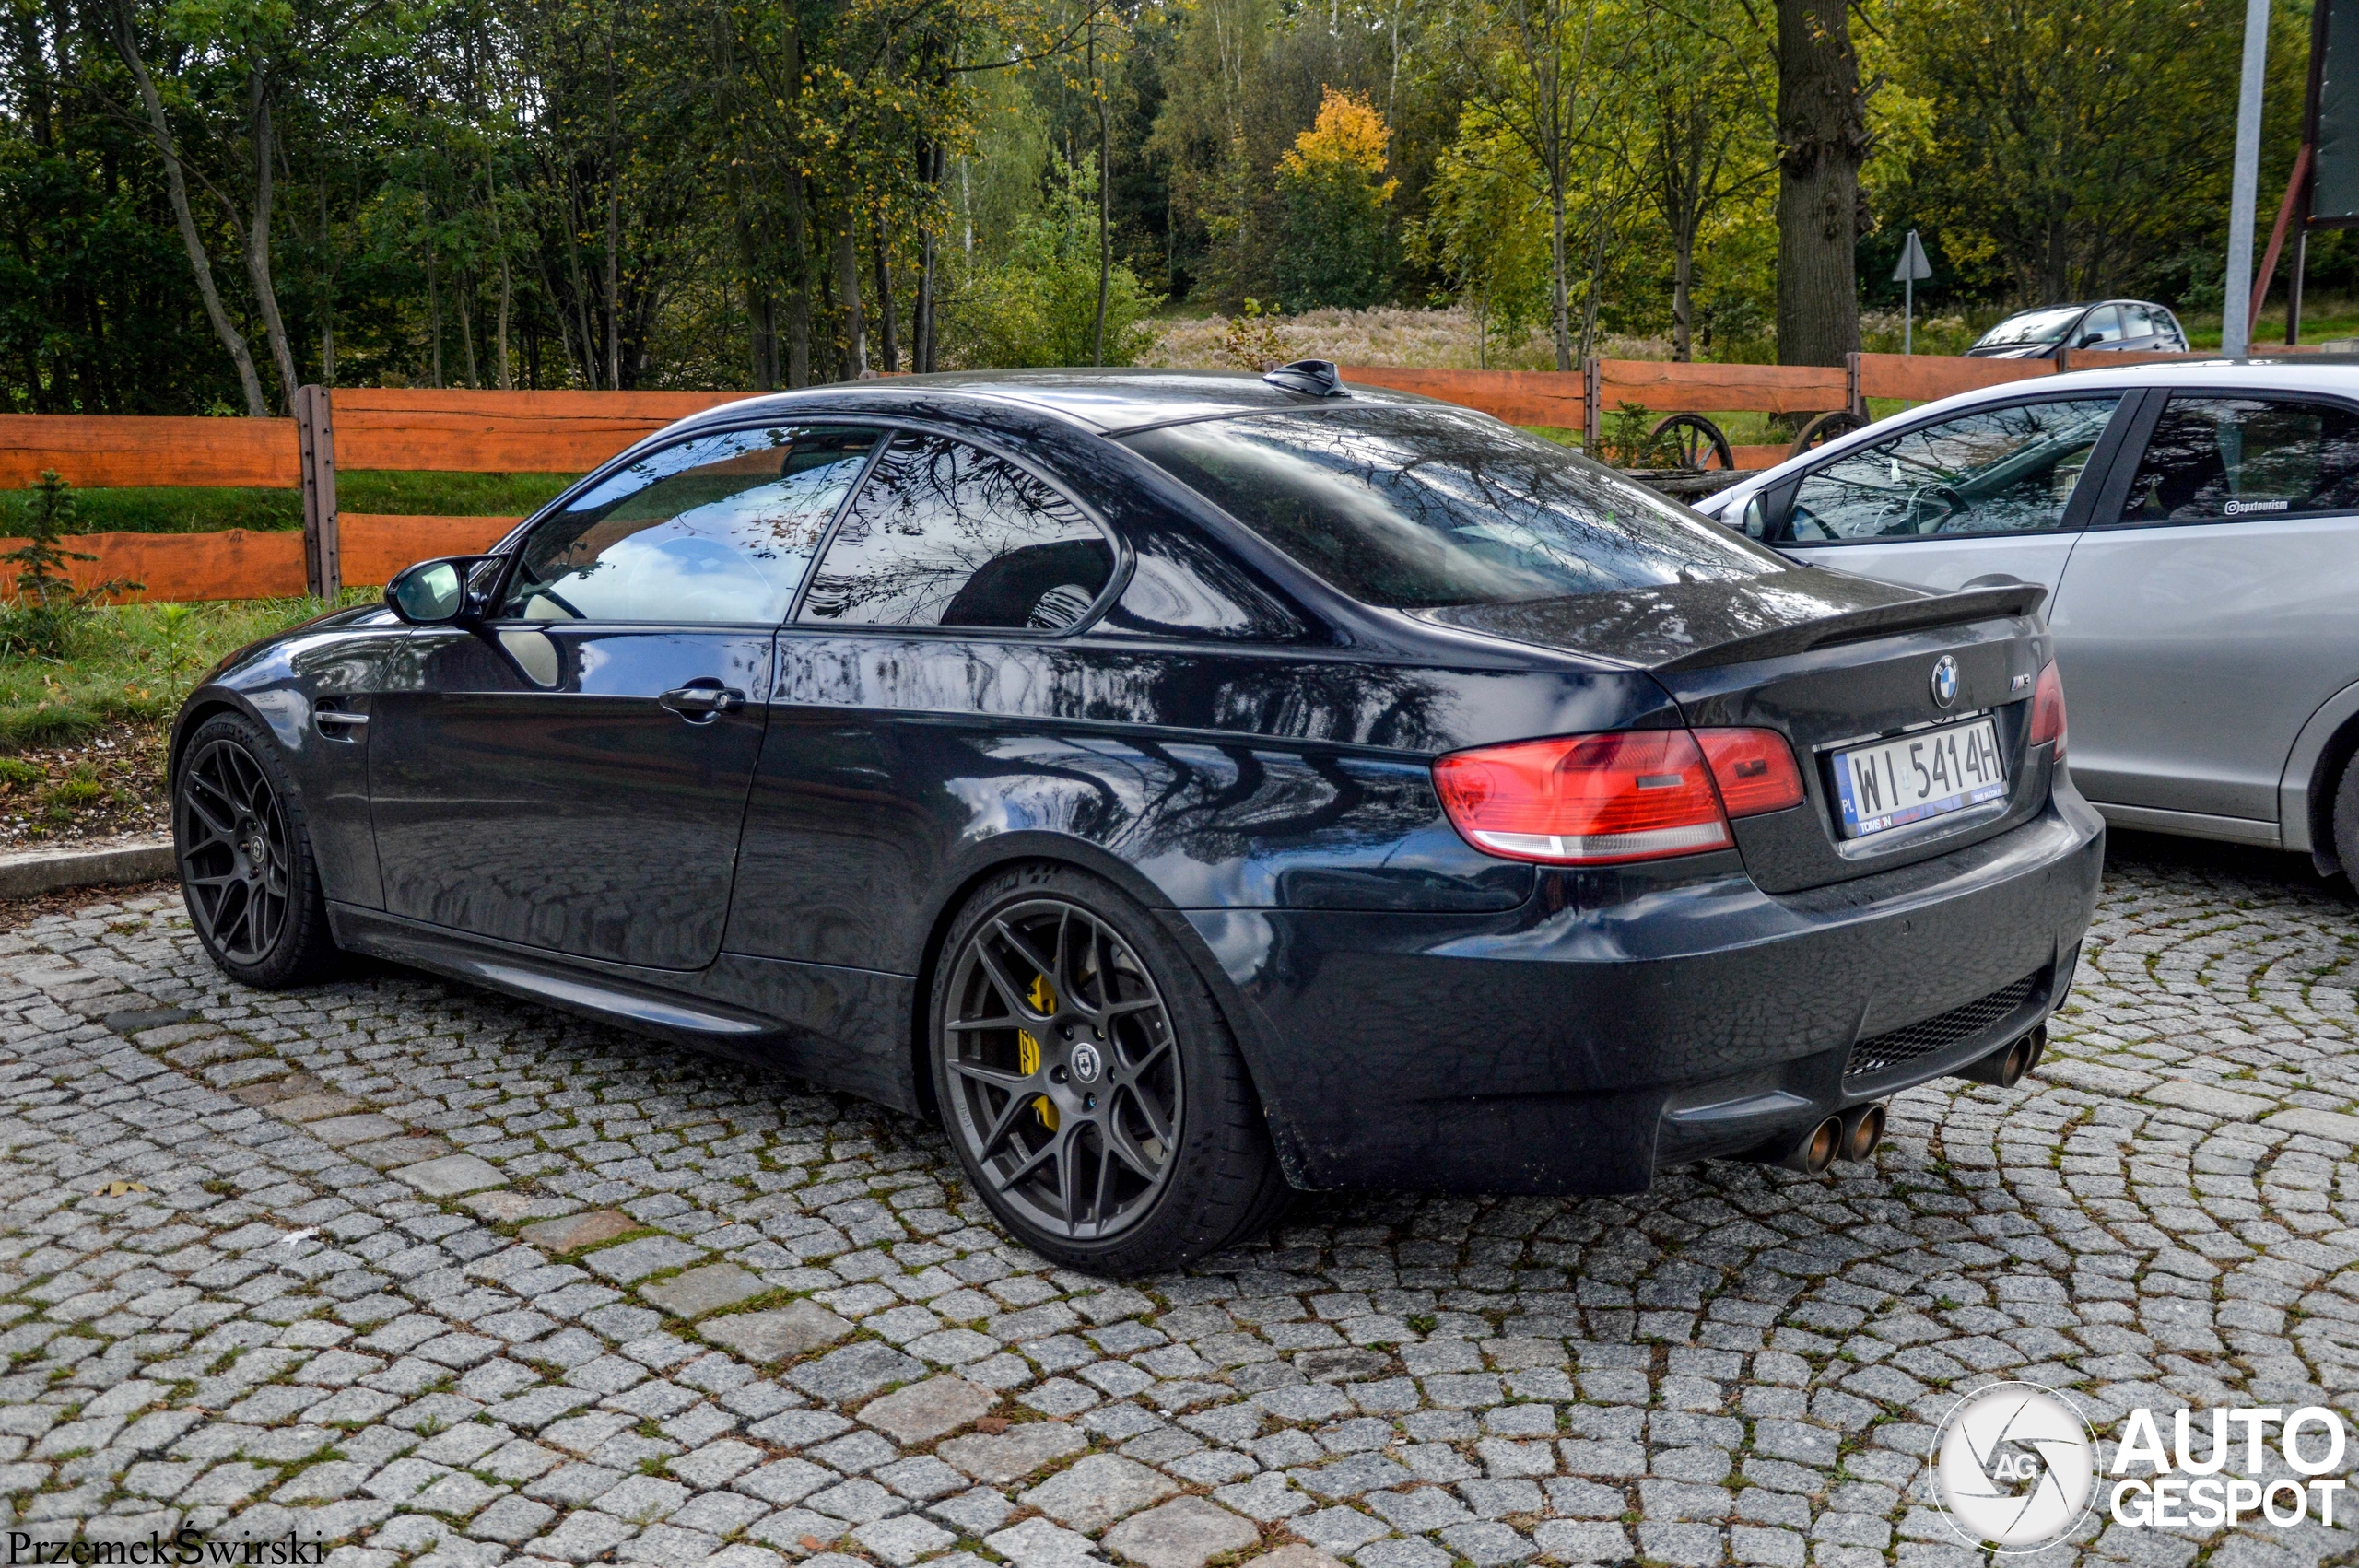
pixel 718 529
pixel 2009 470
pixel 943 534
pixel 2212 459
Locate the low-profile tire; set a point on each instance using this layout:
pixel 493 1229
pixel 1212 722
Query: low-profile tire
pixel 2344 823
pixel 1089 1085
pixel 247 872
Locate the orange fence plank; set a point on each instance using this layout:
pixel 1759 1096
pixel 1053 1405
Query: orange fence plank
pixel 1665 387
pixel 1921 378
pixel 95 451
pixel 1758 457
pixel 373 548
pixel 233 563
pixel 1520 397
pixel 496 432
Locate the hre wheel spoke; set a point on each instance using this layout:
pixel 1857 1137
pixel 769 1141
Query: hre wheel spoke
pixel 1101 1154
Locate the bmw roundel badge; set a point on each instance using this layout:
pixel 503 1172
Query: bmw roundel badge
pixel 1945 681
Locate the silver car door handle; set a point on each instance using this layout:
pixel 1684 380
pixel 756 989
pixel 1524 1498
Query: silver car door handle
pixel 331 720
pixel 699 703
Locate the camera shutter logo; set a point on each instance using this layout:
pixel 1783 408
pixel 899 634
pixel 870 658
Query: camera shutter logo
pixel 2014 1466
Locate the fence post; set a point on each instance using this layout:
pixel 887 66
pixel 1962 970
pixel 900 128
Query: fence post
pixel 1592 417
pixel 1854 397
pixel 315 434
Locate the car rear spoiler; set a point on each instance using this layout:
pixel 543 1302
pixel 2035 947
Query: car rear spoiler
pixel 1859 625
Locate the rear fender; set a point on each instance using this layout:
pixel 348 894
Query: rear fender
pixel 2306 789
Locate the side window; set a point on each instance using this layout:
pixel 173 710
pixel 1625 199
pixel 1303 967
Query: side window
pixel 945 535
pixel 715 529
pixel 1995 471
pixel 2211 458
pixel 2099 328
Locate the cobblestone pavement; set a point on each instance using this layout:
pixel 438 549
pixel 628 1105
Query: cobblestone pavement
pixel 451 1280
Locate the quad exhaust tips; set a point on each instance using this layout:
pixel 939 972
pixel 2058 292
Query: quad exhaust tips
pixel 1862 1130
pixel 2008 1064
pixel 1852 1136
pixel 1815 1150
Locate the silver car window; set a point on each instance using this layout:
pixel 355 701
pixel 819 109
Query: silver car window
pixel 2218 459
pixel 2010 470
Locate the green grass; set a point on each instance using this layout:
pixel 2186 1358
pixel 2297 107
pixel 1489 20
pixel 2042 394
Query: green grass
pixel 133 663
pixel 194 511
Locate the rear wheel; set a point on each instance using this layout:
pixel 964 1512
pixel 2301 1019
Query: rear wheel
pixel 1089 1085
pixel 247 872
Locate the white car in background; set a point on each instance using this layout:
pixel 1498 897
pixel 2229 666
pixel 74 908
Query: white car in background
pixel 2197 527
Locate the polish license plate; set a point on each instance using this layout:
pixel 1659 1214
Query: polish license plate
pixel 1925 774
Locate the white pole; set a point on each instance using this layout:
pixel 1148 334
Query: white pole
pixel 1909 316
pixel 2236 316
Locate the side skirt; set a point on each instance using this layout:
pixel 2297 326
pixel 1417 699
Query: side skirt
pixel 842 1029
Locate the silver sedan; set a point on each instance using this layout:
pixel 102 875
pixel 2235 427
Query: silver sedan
pixel 2197 526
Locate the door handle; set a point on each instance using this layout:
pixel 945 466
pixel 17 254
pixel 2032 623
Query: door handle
pixel 700 703
pixel 335 722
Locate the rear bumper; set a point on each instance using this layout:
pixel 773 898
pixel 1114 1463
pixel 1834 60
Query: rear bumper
pixel 1628 1019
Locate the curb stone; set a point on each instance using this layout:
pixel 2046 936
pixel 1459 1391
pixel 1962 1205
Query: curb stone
pixel 26 874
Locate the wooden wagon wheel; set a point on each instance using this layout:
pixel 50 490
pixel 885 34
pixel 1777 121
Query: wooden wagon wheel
pixel 1824 428
pixel 1693 441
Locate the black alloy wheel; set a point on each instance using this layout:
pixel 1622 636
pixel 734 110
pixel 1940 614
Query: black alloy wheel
pixel 1090 1087
pixel 245 861
pixel 1064 1079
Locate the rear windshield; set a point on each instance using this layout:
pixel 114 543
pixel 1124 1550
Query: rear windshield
pixel 1409 508
pixel 2032 326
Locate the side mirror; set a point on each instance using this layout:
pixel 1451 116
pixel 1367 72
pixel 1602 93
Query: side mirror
pixel 1755 522
pixel 431 593
pixel 2090 340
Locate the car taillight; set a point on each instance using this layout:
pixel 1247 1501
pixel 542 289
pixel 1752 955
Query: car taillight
pixel 1632 795
pixel 2048 710
pixel 1755 769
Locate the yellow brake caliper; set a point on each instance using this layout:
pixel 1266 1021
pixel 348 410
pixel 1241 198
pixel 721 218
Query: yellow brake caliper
pixel 1028 1049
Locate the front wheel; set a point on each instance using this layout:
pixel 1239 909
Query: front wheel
pixel 247 872
pixel 1090 1088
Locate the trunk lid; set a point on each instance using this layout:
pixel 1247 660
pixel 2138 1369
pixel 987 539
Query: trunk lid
pixel 1834 663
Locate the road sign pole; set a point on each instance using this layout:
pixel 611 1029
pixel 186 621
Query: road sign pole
pixel 1913 266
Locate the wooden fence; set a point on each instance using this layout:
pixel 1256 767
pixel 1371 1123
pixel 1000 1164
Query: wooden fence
pixel 571 432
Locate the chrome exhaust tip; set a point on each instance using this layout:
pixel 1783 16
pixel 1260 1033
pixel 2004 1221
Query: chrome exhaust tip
pixel 2006 1066
pixel 1862 1130
pixel 1815 1150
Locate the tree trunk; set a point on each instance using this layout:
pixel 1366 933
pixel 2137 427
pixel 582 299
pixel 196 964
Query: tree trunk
pixel 466 327
pixel 506 287
pixel 274 327
pixel 1821 140
pixel 856 362
pixel 1682 306
pixel 1559 313
pixel 889 338
pixel 1104 170
pixel 930 156
pixel 176 186
pixel 433 314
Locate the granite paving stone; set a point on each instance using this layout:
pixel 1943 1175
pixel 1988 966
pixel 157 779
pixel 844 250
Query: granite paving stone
pixel 528 1341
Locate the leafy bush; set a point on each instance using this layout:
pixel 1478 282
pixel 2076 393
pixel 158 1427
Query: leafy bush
pixel 1256 340
pixel 1335 229
pixel 49 608
pixel 1038 306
